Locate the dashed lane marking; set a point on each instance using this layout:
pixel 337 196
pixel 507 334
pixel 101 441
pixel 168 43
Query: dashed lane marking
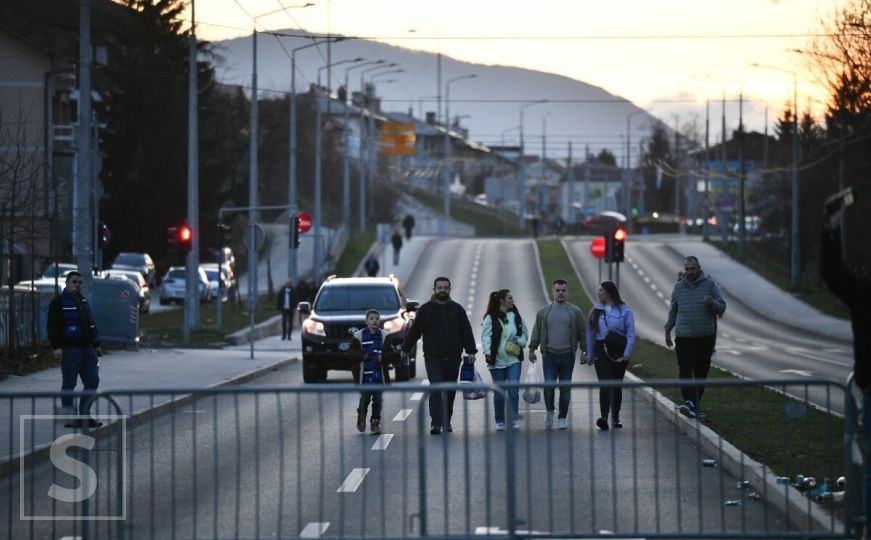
pixel 726 335
pixel 734 352
pixel 659 294
pixel 402 415
pixel 353 481
pixel 646 279
pixel 315 529
pixel 383 441
pixel 417 396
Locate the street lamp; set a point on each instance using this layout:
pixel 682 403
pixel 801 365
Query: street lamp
pixel 446 167
pixel 371 147
pixel 794 240
pixel 346 143
pixel 521 179
pixel 334 64
pixel 291 186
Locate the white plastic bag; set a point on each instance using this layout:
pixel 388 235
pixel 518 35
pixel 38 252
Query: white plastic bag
pixel 531 394
pixel 476 393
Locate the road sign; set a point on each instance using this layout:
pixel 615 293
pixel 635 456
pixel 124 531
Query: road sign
pixel 259 237
pixel 305 222
pixel 597 247
pixel 398 139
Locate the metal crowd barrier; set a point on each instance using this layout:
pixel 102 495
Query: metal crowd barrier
pixel 289 462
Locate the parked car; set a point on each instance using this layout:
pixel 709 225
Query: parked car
pixel 605 221
pixel 172 287
pixel 62 270
pixel 339 310
pixel 220 279
pixel 138 261
pixel 141 285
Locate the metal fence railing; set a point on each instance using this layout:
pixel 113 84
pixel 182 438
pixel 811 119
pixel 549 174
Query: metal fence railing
pixel 275 462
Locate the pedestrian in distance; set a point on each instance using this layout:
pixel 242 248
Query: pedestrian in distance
pixel 75 341
pixel 446 331
pixel 559 332
pixel 408 224
pixel 855 292
pixel 696 302
pixel 372 266
pixel 503 337
pixel 285 305
pixel 366 350
pixel 396 240
pixel 610 342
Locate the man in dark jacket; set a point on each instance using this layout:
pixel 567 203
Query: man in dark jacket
pixel 446 331
pixel 855 293
pixel 284 305
pixel 76 343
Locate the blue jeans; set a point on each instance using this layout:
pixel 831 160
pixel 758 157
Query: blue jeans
pixel 558 367
pixel 76 362
pixel 501 375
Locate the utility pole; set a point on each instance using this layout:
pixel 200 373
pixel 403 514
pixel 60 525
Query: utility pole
pixel 252 196
pixel 706 206
pixel 742 225
pixel 191 296
pixel 571 210
pixel 724 228
pixel 677 171
pixel 82 238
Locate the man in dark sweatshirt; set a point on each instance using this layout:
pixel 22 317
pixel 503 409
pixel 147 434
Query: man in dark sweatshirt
pixel 696 302
pixel 76 343
pixel 446 331
pixel 855 293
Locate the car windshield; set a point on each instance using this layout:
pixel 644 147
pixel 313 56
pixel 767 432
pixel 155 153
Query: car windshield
pixel 129 259
pixel 176 274
pixel 212 275
pixel 61 270
pixel 357 298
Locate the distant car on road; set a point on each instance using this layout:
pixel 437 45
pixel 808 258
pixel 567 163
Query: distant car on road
pixel 220 280
pixel 339 310
pixel 172 287
pixel 141 285
pixel 605 221
pixel 138 261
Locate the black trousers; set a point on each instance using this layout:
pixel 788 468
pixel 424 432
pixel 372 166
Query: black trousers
pixel 610 399
pixel 441 404
pixel 286 323
pixel 694 362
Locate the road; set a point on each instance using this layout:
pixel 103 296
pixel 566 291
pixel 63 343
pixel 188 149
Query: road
pixel 291 463
pixel 748 344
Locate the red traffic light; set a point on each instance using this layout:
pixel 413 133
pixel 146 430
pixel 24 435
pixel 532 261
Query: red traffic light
pixel 620 235
pixel 184 234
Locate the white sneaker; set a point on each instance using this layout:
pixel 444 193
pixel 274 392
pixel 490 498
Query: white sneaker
pixel 516 424
pixel 548 419
pixel 562 423
pixel 500 426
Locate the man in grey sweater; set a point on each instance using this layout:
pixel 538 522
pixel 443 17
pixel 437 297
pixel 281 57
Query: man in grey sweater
pixel 696 302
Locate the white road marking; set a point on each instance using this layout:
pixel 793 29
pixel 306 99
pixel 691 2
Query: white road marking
pixel 836 351
pixel 802 372
pixel 417 396
pixel 726 335
pixel 424 382
pixel 402 415
pixel 668 303
pixel 472 283
pixel 315 529
pixel 804 353
pixel 646 279
pixel 734 352
pixel 383 441
pixel 659 294
pixel 353 481
pixel 641 273
pixel 741 340
pixel 653 286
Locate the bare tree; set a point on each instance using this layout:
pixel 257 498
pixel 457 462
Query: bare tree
pixel 841 58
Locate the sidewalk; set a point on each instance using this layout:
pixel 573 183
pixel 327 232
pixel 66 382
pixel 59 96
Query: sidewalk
pixel 760 295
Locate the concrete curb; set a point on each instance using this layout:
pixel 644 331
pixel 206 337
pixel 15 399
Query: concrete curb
pixel 800 510
pixel 267 328
pixel 139 417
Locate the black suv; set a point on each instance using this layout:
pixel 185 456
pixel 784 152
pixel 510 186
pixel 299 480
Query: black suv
pixel 339 310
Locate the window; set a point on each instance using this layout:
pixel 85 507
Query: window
pixel 356 298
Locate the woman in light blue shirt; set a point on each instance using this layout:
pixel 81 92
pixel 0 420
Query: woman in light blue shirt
pixel 610 315
pixel 503 325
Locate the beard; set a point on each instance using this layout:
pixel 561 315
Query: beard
pixel 442 296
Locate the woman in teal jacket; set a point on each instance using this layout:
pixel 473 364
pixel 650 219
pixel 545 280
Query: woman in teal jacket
pixel 502 327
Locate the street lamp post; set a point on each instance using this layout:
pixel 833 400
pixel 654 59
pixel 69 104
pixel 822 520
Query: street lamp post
pixel 446 167
pixel 794 238
pixel 521 179
pixel 346 143
pixel 630 174
pixel 373 141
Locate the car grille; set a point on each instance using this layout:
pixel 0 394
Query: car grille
pixel 341 331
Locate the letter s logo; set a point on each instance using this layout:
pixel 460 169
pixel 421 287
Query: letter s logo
pixel 86 475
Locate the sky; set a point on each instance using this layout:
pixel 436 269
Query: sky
pixel 667 55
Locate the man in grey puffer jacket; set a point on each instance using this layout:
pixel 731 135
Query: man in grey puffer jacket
pixel 695 304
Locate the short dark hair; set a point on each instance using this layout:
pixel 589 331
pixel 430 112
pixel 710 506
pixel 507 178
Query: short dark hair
pixel 73 273
pixel 371 311
pixel 692 259
pixel 440 278
pixel 560 281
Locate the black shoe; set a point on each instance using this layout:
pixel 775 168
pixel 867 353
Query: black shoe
pixel 73 424
pixel 602 423
pixel 361 422
pixel 78 424
pixel 616 424
pixel 449 429
pixel 435 430
pixel 93 423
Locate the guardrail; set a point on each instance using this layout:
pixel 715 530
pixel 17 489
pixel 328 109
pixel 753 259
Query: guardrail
pixel 289 461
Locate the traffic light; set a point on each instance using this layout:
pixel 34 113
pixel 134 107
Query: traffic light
pixel 172 239
pixel 185 239
pixel 618 243
pixel 609 248
pixel 224 233
pixel 294 232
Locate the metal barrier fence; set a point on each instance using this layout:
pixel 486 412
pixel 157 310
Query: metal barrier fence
pixel 290 462
pixel 29 314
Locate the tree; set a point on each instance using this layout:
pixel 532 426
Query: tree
pixel 658 154
pixel 605 156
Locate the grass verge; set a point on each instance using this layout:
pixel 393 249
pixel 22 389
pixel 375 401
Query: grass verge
pixel 488 221
pixel 785 434
pixel 764 258
pixel 354 252
pixel 166 328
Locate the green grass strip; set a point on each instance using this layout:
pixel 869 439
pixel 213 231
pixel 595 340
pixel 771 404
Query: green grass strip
pixel 785 434
pixel 355 250
pixel 488 221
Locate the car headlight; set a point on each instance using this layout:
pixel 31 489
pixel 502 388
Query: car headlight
pixel 312 326
pixel 394 325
